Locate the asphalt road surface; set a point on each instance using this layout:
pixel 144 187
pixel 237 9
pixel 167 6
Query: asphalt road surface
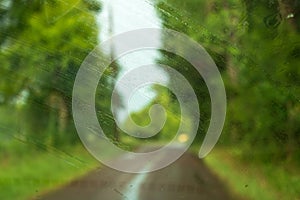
pixel 187 178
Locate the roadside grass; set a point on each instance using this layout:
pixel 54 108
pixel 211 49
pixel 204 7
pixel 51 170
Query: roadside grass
pixel 36 172
pixel 29 168
pixel 254 179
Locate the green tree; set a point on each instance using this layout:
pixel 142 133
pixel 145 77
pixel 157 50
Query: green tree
pixel 269 85
pixel 164 97
pixel 256 46
pixel 215 28
pixel 42 47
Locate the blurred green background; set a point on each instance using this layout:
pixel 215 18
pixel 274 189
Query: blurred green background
pixel 255 44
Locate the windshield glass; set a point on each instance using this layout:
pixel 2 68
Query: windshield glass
pixel 149 99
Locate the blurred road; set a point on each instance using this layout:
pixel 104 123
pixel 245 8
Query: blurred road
pixel 188 178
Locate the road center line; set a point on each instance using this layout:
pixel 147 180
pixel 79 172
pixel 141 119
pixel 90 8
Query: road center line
pixel 133 188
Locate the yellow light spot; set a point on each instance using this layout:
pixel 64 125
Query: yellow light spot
pixel 183 138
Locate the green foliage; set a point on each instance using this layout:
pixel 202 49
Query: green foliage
pixel 172 110
pixel 255 44
pixel 42 49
